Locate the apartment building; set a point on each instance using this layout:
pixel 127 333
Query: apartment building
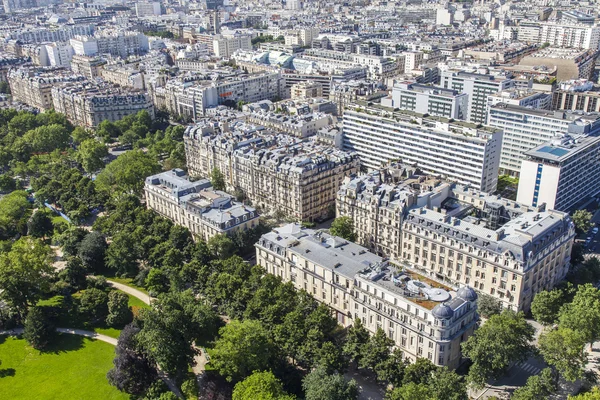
pixel 431 100
pixel 576 95
pixel 378 68
pixel 521 97
pixel 461 236
pixel 88 103
pixel 301 126
pixel 561 172
pixel 437 145
pixel 423 318
pixel 344 93
pixel 206 212
pixel 570 63
pixel 225 45
pixel 33 86
pixel 88 66
pixel 116 43
pixel 478 87
pixel 306 89
pixel 277 173
pixel 525 128
pixel 124 75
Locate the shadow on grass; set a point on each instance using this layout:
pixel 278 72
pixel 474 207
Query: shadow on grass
pixel 64 342
pixel 4 372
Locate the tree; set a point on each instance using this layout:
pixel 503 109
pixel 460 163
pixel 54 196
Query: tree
pixel 563 348
pixel 7 183
pixel 118 309
pixel 393 369
pixel 260 386
pixel 71 240
pixel 127 173
pixel 344 228
pixel 90 155
pixel 594 394
pixel 221 246
pixel 488 306
pixel 319 385
pixel 92 250
pixel 503 339
pixel 537 387
pixel 410 391
pixel 80 135
pixel 169 328
pixel 583 313
pixel 25 273
pixel 4 87
pixel 133 372
pixel 419 372
pixel 74 273
pixel 356 340
pixel 376 351
pixel 546 306
pixel 448 385
pixel 93 304
pixel 38 330
pixel 157 281
pixel 217 180
pixel 40 224
pixel 48 138
pixel 582 220
pixel 14 212
pixel 121 256
pixel 243 347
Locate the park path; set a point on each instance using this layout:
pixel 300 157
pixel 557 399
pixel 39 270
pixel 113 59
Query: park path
pixel 98 336
pixel 132 291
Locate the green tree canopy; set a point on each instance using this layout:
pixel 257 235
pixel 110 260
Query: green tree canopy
pixel 127 173
pixel 260 386
pixel 344 228
pixel 40 224
pixel 546 306
pixel 217 180
pixel 582 220
pixel 563 348
pixel 221 246
pixel 25 273
pixel 14 212
pixel 319 385
pixel 90 154
pixel 243 347
pixel 37 329
pixel 583 313
pixel 503 339
pixel 537 387
pixel 488 305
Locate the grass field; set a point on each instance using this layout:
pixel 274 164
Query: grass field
pixel 128 282
pixel 73 368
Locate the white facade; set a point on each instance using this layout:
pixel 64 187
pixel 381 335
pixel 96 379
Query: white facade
pixel 84 46
pixel 224 47
pixel 380 135
pixel 59 54
pixel 431 100
pixel 143 9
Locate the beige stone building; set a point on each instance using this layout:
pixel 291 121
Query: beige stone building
pixel 306 89
pixel 88 103
pixel 33 86
pixel 196 205
pixel 424 319
pixel 278 173
pixel 461 236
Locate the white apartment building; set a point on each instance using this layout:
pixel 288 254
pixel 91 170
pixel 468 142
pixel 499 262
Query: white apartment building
pixel 424 319
pixel 118 43
pixel 225 45
pixel 124 76
pixel 196 205
pixel 525 128
pixel 561 172
pixel 412 60
pixel 560 34
pixel 455 150
pixel 147 9
pixel 460 236
pixel 521 97
pixel 425 99
pixel 478 87
pixel 59 54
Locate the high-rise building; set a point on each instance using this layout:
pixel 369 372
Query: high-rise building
pixel 455 150
pixel 425 319
pixel 478 87
pixel 562 172
pixel 525 128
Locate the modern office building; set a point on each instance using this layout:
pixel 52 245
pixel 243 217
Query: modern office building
pixel 562 172
pixel 455 150
pixel 458 235
pixel 276 172
pixel 525 128
pixel 425 99
pixel 196 205
pixel 478 87
pixel 424 319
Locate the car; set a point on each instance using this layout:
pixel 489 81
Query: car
pixel 595 230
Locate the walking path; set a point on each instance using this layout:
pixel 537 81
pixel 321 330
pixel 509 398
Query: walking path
pixel 129 290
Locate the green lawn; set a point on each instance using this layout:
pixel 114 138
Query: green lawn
pixel 135 302
pixel 74 368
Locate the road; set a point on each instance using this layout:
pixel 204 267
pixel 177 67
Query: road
pixel 132 291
